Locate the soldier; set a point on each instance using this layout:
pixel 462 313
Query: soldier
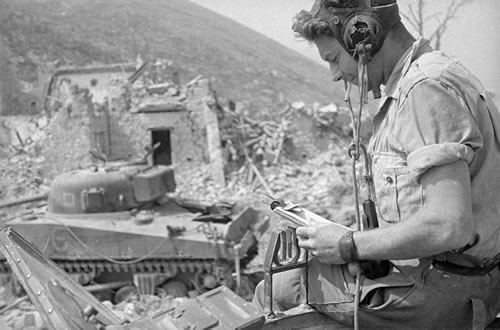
pixel 434 155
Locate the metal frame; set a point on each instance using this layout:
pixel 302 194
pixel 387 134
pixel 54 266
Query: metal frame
pixel 283 254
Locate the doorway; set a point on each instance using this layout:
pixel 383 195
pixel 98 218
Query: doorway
pixel 163 154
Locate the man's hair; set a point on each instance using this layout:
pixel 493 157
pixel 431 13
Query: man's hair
pixel 309 27
pixel 354 3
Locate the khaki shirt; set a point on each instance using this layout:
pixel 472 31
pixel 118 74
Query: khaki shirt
pixel 434 112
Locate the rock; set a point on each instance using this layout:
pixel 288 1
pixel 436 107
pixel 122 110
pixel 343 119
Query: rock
pixel 298 106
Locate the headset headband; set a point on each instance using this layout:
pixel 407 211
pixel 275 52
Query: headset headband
pixel 362 4
pixel 344 23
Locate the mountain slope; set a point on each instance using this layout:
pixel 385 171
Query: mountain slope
pixel 245 65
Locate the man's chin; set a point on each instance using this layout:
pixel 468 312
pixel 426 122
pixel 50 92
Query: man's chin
pixel 349 80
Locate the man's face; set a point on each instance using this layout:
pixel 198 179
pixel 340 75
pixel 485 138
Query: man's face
pixel 342 65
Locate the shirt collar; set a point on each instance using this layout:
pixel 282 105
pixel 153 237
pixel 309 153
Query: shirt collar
pixel 390 91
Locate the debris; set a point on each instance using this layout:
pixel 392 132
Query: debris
pixel 137 74
pixel 194 81
pixel 14 304
pixel 261 178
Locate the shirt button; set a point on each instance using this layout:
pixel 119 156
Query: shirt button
pixel 389 180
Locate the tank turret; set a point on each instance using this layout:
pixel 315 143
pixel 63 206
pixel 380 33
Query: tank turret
pixel 109 189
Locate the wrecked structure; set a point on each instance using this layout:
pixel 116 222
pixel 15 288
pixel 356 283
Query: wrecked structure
pixel 120 108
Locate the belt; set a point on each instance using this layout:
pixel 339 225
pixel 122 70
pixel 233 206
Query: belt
pixel 461 270
pixel 455 263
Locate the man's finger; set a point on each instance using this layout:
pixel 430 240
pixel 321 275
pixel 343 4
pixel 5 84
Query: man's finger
pixel 305 243
pixel 305 232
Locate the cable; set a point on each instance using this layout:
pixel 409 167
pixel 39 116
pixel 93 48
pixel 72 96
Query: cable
pixel 355 150
pixel 354 154
pixel 110 259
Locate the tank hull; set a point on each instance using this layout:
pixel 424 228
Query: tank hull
pixel 148 247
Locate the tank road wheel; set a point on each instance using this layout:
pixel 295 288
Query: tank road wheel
pixel 175 288
pixel 124 293
pixel 209 281
pixel 205 281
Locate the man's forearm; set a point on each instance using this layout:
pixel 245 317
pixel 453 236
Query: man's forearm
pixel 421 236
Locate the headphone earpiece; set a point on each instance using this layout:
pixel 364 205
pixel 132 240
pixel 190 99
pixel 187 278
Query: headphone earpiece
pixel 363 29
pixel 364 25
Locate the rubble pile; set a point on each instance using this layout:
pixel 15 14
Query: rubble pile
pixel 134 307
pixel 267 152
pixel 24 316
pixel 22 159
pixel 23 171
pixel 322 184
pixel 261 141
pixel 157 84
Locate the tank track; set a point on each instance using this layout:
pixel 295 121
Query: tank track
pixel 148 266
pixel 170 266
pixel 151 265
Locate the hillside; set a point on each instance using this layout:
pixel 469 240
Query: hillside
pixel 244 65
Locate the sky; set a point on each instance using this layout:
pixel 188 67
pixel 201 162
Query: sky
pixel 472 37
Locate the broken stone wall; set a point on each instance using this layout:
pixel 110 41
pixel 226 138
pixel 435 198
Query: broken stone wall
pixel 67 144
pixel 185 116
pixel 132 132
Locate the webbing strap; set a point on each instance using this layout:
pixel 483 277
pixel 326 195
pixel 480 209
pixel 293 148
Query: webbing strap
pixel 465 265
pixel 479 314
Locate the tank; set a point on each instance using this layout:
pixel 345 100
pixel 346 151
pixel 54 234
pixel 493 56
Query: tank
pixel 118 224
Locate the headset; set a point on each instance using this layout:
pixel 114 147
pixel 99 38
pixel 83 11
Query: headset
pixel 363 25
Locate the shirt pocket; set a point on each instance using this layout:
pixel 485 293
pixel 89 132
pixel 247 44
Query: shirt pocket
pixel 397 195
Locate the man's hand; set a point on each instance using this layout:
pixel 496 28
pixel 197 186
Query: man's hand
pixel 322 242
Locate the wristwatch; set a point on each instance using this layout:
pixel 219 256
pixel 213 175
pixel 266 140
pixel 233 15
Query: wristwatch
pixel 347 248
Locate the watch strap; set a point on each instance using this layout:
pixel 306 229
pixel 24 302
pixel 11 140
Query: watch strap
pixel 347 248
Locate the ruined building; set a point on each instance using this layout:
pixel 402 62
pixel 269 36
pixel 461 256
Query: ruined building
pixel 114 112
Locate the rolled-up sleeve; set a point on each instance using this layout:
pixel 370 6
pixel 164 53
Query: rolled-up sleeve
pixel 426 157
pixel 436 128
